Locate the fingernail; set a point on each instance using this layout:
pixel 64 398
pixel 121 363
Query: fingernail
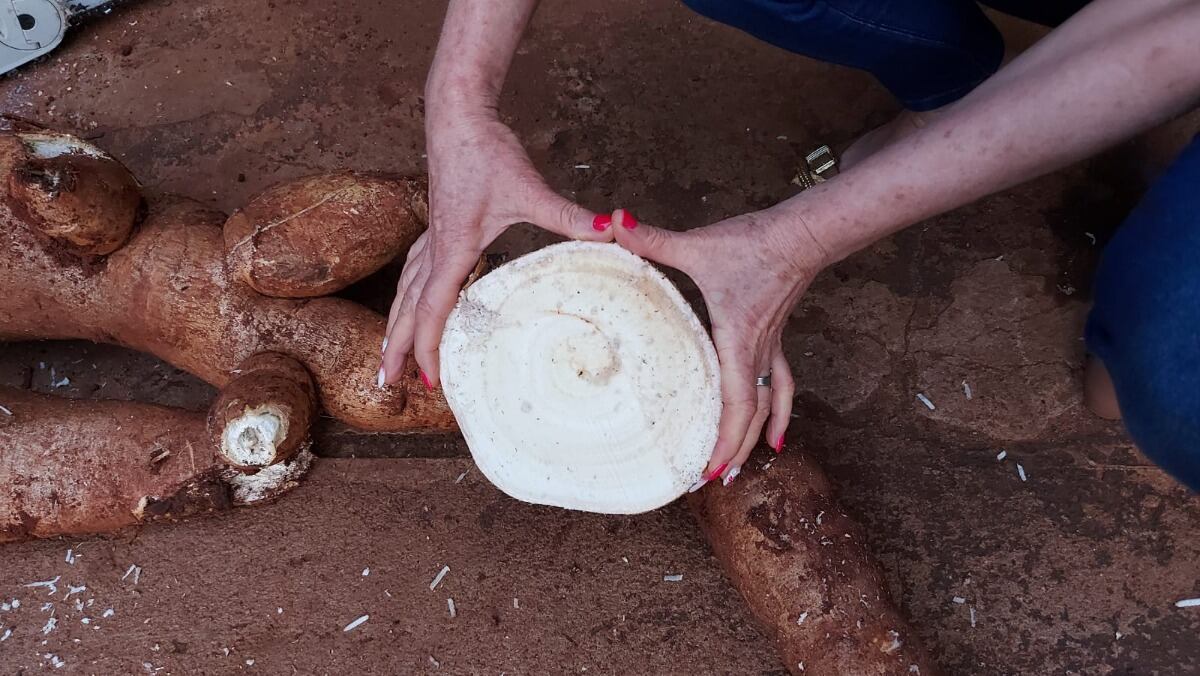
pixel 384 348
pixel 628 221
pixel 380 381
pixel 425 379
pixel 716 472
pixel 779 444
pixel 698 485
pixel 731 476
pixel 601 222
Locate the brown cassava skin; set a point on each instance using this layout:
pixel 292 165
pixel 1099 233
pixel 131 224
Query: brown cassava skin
pixel 272 382
pixel 73 467
pixel 85 203
pixel 167 292
pixel 764 529
pixel 316 235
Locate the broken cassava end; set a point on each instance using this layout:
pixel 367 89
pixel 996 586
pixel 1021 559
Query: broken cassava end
pixel 263 415
pixel 582 379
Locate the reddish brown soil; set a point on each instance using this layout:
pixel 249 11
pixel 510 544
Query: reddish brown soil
pixel 1074 571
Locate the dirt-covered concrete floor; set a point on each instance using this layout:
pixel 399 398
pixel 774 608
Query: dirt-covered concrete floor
pixel 1074 570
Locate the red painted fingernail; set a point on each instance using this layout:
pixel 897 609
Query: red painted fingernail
pixel 601 222
pixel 627 220
pixel 779 444
pixel 425 379
pixel 716 472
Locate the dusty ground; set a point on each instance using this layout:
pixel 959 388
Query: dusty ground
pixel 1073 571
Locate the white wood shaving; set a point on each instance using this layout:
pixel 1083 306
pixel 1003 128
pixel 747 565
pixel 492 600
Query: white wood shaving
pixel 366 571
pixel 1001 455
pixel 925 400
pixel 107 613
pixel 959 599
pixel 819 515
pixel 434 662
pixel 802 618
pixel 7 633
pixel 1021 472
pixel 801 665
pixel 355 624
pixel 516 603
pixel 72 590
pixel 672 578
pixel 5 410
pixel 86 621
pixel 461 477
pixel 50 625
pixel 134 570
pixel 451 608
pixel 966 390
pixel 438 578
pixel 1091 237
pixel 249 663
pixel 1188 603
pixel 54 660
pixel 1119 635
pixel 583 166
pixel 50 585
pixel 972 609
pixel 279 611
pixel 71 556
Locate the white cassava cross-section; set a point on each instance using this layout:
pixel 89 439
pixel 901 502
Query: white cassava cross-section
pixel 582 379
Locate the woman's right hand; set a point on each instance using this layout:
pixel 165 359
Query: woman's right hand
pixel 480 182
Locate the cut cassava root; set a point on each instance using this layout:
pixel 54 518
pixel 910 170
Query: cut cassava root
pixel 582 379
pixel 76 467
pixel 801 564
pixel 262 417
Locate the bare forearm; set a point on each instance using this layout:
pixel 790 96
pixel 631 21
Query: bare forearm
pixel 479 38
pixel 1050 113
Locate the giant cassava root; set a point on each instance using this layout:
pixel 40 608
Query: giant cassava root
pixel 169 289
pixel 80 467
pixel 802 566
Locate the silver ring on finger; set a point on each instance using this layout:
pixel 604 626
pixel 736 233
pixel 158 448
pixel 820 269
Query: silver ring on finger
pixel 763 381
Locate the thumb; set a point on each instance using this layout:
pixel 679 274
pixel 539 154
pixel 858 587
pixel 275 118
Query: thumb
pixel 557 214
pixel 656 244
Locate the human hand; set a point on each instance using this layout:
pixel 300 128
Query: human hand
pixel 480 182
pixel 752 269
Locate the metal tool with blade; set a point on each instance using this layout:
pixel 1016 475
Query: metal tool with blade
pixel 31 28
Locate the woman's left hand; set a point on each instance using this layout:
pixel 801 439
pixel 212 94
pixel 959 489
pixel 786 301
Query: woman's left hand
pixel 752 269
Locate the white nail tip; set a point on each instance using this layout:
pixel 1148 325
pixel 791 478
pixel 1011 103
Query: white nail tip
pixel 384 348
pixel 731 475
pixel 379 381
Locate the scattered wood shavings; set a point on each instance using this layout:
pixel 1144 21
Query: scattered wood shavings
pixel 355 624
pixel 1001 455
pixel 925 400
pixel 966 390
pixel 451 608
pixel 972 609
pixel 134 570
pixel 672 578
pixel 71 556
pixel 5 410
pixel 50 585
pixel 439 577
pixel 50 625
pixel 55 661
pixel 72 590
pixel 1188 603
pixel 1021 472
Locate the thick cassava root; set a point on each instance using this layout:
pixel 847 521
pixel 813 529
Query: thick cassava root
pixel 169 291
pixel 801 564
pixel 77 467
pixel 307 238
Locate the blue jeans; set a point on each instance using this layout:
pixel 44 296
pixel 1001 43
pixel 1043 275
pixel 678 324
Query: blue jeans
pixel 1145 323
pixel 926 52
